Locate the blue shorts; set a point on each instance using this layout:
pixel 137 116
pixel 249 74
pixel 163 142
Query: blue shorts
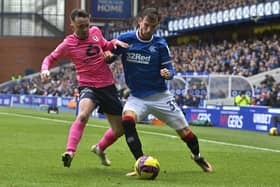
pixel 106 98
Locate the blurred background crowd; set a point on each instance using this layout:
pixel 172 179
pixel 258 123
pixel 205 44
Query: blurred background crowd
pixel 244 57
pixel 179 8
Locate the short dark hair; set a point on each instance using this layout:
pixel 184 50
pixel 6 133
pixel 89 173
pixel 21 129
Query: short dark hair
pixel 151 13
pixel 78 13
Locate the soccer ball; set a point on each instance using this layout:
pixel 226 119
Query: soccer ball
pixel 147 167
pixel 273 131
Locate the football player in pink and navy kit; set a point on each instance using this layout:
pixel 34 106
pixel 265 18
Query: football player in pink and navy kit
pixel 86 48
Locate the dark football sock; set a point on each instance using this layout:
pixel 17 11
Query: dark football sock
pixel 192 142
pixel 131 136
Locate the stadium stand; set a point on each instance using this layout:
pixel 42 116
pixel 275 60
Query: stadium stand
pixel 250 57
pixel 245 58
pixel 181 8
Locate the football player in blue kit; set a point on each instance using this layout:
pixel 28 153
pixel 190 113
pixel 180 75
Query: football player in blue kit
pixel 147 64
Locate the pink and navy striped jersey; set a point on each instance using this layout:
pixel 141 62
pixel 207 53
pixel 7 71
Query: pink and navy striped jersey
pixel 87 55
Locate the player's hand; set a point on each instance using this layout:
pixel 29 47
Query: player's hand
pixel 120 43
pixel 165 73
pixel 108 55
pixel 44 75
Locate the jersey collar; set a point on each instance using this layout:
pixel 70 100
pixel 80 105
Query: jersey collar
pixel 145 41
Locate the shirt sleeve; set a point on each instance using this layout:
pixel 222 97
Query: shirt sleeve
pixel 105 45
pixel 119 49
pixel 59 53
pixel 166 59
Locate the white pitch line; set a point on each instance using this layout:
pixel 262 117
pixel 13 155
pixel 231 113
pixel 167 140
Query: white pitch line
pixel 240 145
pixel 148 132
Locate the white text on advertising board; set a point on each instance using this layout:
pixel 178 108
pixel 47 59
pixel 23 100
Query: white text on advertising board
pixel 235 121
pixel 262 118
pixel 204 116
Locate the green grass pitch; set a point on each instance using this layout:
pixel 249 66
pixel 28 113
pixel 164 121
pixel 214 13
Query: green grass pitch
pixel 32 142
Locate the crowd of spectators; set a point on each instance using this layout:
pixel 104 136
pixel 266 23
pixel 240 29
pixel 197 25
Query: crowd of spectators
pixel 182 8
pixel 62 83
pixel 245 58
pixel 267 93
pixel 240 57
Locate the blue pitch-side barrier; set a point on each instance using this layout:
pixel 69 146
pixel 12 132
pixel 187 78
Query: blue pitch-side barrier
pixel 253 118
pixel 40 102
pixel 33 100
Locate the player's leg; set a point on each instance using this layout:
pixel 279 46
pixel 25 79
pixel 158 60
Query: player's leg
pixel 191 140
pixel 166 109
pixel 86 106
pixel 110 136
pixel 113 133
pixel 111 106
pixel 131 135
pixel 134 109
pixel 75 133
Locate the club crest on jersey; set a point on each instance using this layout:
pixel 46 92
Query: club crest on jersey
pixel 95 38
pixel 152 49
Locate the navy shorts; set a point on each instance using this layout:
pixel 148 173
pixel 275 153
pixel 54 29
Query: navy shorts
pixel 106 98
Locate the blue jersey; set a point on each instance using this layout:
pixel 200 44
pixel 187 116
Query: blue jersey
pixel 142 62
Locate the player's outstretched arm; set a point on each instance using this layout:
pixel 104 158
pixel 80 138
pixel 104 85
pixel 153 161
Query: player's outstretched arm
pixel 122 44
pixel 60 52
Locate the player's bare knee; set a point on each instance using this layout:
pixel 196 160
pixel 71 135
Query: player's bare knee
pixel 83 118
